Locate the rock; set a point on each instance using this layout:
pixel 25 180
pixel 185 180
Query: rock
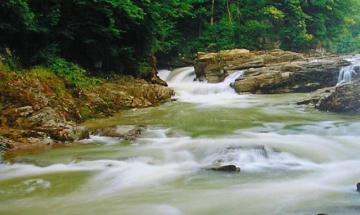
pixel 357 69
pixel 5 144
pixel 297 76
pixel 344 98
pixel 214 67
pixel 315 97
pixel 358 187
pixel 275 71
pixel 322 214
pixel 127 132
pixel 39 110
pixel 226 168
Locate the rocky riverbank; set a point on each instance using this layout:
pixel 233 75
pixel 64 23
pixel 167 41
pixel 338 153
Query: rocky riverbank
pixel 39 108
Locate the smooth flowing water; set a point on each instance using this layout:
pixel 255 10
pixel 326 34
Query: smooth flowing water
pixel 294 160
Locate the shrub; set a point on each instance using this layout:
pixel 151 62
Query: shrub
pixel 70 72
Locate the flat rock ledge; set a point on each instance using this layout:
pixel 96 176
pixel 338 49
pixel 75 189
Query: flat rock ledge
pixel 266 72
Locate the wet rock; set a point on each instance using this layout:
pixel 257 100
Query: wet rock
pixel 315 97
pixel 358 187
pixel 127 132
pixel 275 71
pixel 287 77
pixel 226 168
pixel 357 69
pixel 344 98
pixel 214 67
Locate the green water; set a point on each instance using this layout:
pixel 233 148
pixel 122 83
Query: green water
pixel 294 160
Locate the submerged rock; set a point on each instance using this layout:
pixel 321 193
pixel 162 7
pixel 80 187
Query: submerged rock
pixel 226 168
pixel 127 132
pixel 358 187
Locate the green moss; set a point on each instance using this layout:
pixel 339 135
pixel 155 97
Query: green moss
pixel 85 112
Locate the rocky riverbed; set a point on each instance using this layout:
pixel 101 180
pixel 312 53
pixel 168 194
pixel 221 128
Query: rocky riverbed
pixel 278 71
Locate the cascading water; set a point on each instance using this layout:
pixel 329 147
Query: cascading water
pixel 346 73
pixel 306 161
pixel 188 90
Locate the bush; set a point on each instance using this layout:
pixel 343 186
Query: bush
pixel 70 72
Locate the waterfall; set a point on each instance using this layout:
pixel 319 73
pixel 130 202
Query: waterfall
pixel 182 80
pixel 346 73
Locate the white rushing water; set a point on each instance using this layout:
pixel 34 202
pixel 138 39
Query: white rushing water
pixel 347 72
pixel 182 80
pixel 293 161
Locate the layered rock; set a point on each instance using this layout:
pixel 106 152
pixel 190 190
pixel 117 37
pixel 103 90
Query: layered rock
pixel 44 109
pixel 343 98
pixel 274 71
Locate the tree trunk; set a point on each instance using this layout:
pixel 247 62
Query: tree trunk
pixel 212 12
pixel 155 79
pixel 228 10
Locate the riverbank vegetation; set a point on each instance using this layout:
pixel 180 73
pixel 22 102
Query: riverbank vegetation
pixel 123 36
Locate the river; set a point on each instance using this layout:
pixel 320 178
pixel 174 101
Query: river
pixel 294 160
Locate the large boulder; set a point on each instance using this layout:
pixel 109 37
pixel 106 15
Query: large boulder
pixel 344 98
pixel 286 77
pixel 275 71
pixel 214 67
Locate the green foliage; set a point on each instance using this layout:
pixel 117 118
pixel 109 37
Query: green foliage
pixel 71 72
pixel 113 36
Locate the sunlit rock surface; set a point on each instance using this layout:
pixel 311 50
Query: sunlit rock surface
pixel 275 71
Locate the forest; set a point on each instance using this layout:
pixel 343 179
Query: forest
pixel 121 36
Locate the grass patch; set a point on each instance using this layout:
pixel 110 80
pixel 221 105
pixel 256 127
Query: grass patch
pixel 85 112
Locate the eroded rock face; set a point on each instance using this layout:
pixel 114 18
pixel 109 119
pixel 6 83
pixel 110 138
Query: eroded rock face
pixel 46 110
pixel 274 71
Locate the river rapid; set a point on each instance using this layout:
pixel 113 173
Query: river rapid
pixel 294 160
